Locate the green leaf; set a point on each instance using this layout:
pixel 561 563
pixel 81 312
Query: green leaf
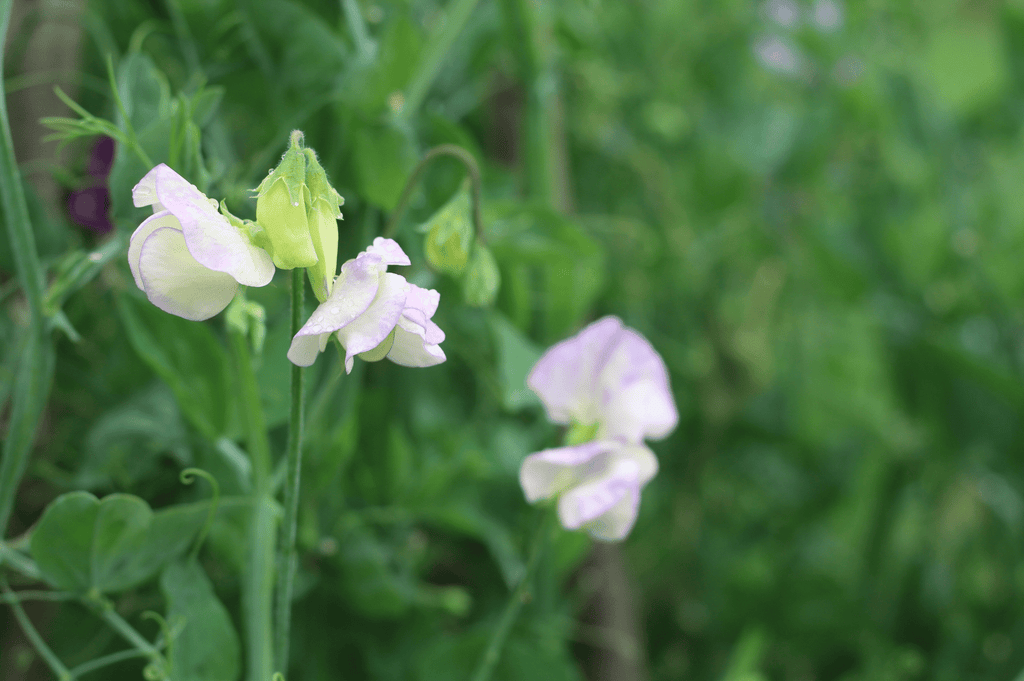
pixel 516 356
pixel 966 66
pixel 188 357
pixel 144 90
pixel 207 649
pixel 383 158
pixel 82 543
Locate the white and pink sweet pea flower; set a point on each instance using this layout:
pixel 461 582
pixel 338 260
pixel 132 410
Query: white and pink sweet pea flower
pixel 609 381
pixel 375 314
pixel 187 257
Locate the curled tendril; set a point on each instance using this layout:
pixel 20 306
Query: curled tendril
pixel 168 639
pixel 187 477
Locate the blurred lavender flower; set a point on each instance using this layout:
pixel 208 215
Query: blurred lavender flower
pixel 375 314
pixel 609 383
pixel 188 258
pixel 90 208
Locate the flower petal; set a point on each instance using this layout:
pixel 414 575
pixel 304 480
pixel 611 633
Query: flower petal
pixel 211 239
pixel 635 398
pixel 352 294
pixel 410 350
pixel 389 251
pixel 375 324
pixel 304 349
pixel 175 282
pixel 565 376
pixel 605 506
pixel 552 471
pixel 425 300
pixel 144 193
pixel 141 233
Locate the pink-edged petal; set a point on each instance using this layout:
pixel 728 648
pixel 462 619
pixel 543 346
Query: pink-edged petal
pixel 565 376
pixel 389 251
pixel 410 350
pixel 424 300
pixel 552 471
pixel 212 240
pixel 635 398
pixel 606 505
pixel 176 283
pixel 353 292
pixel 139 236
pixel 144 193
pixel 370 329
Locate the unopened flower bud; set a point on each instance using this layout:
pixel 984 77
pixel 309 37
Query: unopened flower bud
pixel 323 215
pixel 281 206
pixel 450 235
pixel 482 278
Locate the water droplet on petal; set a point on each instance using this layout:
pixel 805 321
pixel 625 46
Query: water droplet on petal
pixel 295 203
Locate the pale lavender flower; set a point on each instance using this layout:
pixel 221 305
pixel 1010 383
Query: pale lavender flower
pixel 609 380
pixel 374 313
pixel 187 257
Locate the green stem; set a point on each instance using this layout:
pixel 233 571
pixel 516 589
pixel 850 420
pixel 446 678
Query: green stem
pixel 258 580
pixel 357 27
pixel 105 609
pixel 474 184
pixel 22 596
pixel 493 653
pixel 449 28
pixel 106 661
pixel 288 555
pixel 35 371
pixel 18 561
pixel 52 661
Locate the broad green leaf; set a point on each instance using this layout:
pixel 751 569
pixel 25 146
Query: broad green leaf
pixel 383 157
pixel 516 356
pixel 188 357
pixel 207 649
pixel 83 543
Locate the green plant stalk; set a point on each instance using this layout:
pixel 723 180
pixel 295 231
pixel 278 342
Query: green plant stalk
pixel 472 169
pixel 455 18
pixel 494 647
pixel 288 555
pixel 35 371
pixel 52 661
pixel 357 27
pixel 258 580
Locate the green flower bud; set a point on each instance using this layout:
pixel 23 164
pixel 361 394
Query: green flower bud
pixel 481 281
pixel 449 235
pixel 323 215
pixel 281 206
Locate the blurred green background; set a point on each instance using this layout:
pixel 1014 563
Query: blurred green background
pixel 814 211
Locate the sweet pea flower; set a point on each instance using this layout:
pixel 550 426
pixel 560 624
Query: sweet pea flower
pixel 374 314
pixel 188 258
pixel 609 382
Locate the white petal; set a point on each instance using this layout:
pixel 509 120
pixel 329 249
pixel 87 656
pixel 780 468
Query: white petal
pixel 139 236
pixel 144 193
pixel 552 471
pixel 389 251
pixel 565 376
pixel 304 349
pixel 353 291
pixel 370 328
pixel 411 350
pixel 606 505
pixel 211 239
pixel 423 299
pixel 175 282
pixel 635 398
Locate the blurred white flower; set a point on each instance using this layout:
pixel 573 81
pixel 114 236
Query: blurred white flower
pixel 187 257
pixel 783 12
pixel 779 54
pixel 827 15
pixel 375 314
pixel 609 379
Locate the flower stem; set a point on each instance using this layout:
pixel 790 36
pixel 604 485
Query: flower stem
pixel 287 556
pixel 472 169
pixel 52 661
pixel 35 371
pixel 493 653
pixel 258 580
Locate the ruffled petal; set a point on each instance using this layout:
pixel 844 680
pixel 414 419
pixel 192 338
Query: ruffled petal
pixel 606 506
pixel 424 300
pixel 139 236
pixel 144 193
pixel 212 240
pixel 389 251
pixel 552 471
pixel 369 329
pixel 176 283
pixel 565 376
pixel 635 398
pixel 410 350
pixel 353 292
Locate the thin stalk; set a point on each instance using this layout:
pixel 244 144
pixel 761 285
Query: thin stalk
pixel 472 169
pixel 258 580
pixel 106 661
pixel 493 653
pixel 18 561
pixel 21 596
pixel 438 45
pixel 357 27
pixel 35 371
pixel 288 555
pixel 105 609
pixel 52 661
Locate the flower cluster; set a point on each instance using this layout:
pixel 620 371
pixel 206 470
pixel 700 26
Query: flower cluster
pixel 609 383
pixel 190 259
